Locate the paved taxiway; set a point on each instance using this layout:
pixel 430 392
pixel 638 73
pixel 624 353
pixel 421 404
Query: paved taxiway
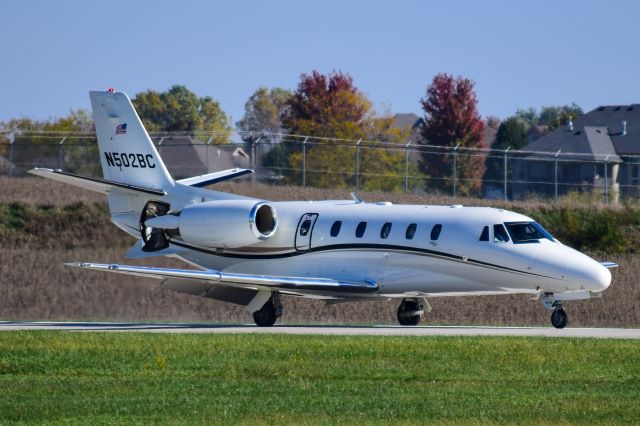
pixel 613 333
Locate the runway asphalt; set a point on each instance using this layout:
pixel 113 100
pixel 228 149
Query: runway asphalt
pixel 611 333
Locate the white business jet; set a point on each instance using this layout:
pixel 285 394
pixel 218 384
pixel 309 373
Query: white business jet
pixel 250 251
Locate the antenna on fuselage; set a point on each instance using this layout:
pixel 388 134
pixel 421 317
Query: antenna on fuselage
pixel 356 198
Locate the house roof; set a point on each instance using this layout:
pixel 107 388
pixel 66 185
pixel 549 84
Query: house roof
pixel 593 143
pixel 406 120
pixel 601 132
pixel 611 117
pixel 185 156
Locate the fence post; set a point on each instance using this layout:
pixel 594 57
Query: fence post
pixel 606 180
pixel 207 152
pixel 358 165
pixel 12 138
pixel 406 166
pixel 506 152
pixel 555 180
pixel 61 154
pixel 455 160
pixel 254 156
pixel 304 162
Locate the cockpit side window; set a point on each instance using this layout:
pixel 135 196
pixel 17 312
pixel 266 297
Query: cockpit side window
pixel 527 232
pixel 500 234
pixel 485 234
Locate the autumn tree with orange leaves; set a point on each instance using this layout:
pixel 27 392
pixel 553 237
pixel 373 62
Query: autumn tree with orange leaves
pixel 451 119
pixel 330 106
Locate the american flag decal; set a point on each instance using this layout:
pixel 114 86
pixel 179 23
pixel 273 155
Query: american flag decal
pixel 121 129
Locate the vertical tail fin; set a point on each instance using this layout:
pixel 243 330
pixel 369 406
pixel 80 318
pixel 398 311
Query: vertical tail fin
pixel 126 151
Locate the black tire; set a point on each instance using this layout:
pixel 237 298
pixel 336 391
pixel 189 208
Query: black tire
pixel 265 316
pixel 559 318
pixel 407 313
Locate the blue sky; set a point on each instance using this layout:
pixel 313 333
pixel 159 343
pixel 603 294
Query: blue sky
pixel 520 54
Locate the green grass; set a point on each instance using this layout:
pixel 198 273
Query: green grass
pixel 56 377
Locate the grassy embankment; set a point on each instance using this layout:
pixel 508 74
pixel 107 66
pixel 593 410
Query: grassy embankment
pixel 44 224
pixel 81 378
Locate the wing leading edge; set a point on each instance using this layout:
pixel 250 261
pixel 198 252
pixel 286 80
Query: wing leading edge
pixel 240 280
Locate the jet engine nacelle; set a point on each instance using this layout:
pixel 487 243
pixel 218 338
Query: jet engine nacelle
pixel 220 224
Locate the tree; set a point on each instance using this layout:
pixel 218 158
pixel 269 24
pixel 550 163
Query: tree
pixel 180 110
pixel 264 110
pixel 382 165
pixel 327 106
pixel 550 116
pixel 262 119
pixel 512 133
pixel 39 142
pixel 452 119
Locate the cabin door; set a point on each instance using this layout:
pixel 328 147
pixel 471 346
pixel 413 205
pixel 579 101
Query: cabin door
pixel 304 231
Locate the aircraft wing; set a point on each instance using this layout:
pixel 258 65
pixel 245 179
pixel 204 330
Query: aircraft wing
pixel 238 280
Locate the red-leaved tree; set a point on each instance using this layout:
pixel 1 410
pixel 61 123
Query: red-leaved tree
pixel 452 119
pixel 327 106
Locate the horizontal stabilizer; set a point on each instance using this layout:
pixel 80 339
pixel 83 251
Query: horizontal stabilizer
pixel 610 265
pixel 211 178
pixel 93 184
pixel 241 280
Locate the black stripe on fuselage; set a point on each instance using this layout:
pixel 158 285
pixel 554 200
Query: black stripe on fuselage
pixel 373 247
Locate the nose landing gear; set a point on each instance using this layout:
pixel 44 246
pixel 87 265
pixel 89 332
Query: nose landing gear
pixel 559 317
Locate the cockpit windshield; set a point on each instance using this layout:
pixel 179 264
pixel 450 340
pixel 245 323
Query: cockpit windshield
pixel 527 232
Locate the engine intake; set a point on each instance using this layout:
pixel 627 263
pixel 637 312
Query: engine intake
pixel 263 220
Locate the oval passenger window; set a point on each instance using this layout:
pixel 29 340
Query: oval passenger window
pixel 335 228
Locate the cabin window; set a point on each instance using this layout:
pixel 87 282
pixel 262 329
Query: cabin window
pixel 485 234
pixel 304 228
pixel 527 232
pixel 362 226
pixel 435 232
pixel 335 228
pixel 386 229
pixel 500 234
pixel 411 231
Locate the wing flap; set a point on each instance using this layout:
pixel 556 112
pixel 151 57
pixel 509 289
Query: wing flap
pixel 240 280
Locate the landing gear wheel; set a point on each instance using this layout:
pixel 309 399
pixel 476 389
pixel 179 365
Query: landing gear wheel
pixel 559 318
pixel 265 316
pixel 269 313
pixel 410 312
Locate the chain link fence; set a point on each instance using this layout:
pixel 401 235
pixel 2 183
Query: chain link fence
pixel 358 165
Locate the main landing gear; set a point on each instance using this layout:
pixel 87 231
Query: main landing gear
pixel 410 311
pixel 269 313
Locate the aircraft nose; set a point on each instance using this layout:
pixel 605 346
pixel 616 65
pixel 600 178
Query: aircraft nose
pixel 600 277
pixel 591 276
